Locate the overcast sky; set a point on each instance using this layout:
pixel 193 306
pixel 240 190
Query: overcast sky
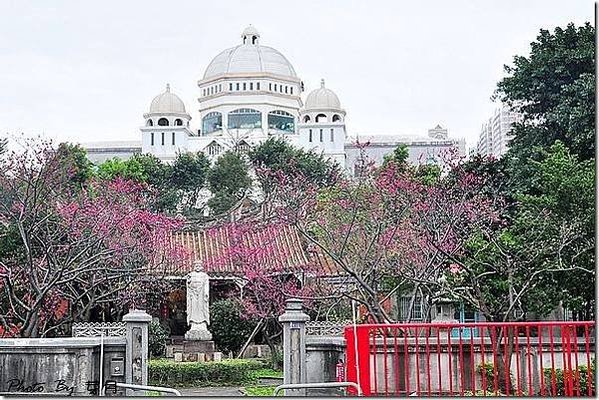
pixel 87 70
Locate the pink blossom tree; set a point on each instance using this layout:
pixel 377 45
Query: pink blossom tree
pixel 394 227
pixel 73 248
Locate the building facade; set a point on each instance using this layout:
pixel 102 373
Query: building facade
pixel 495 134
pixel 248 93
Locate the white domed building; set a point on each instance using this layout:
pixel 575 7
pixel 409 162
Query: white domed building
pixel 248 93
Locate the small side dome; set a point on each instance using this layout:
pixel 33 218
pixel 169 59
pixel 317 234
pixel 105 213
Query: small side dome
pixel 167 103
pixel 322 99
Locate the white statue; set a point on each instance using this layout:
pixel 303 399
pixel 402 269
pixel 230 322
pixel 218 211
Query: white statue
pixel 198 313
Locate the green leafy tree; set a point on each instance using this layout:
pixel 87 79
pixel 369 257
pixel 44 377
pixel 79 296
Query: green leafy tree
pixel 279 157
pixel 229 181
pixel 189 173
pixel 554 89
pixel 127 169
pixel 147 169
pixel 542 251
pixel 399 156
pixel 75 160
pixel 230 329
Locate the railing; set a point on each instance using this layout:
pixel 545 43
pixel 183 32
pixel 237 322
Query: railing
pixel 325 328
pixel 323 385
pixel 94 329
pixel 513 359
pixel 130 386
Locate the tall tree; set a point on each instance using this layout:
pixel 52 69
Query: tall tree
pixel 554 89
pixel 279 157
pixel 189 174
pixel 75 249
pixel 229 181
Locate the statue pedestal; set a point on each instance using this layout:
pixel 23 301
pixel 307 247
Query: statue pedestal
pixel 197 333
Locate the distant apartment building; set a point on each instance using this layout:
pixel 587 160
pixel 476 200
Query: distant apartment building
pixel 496 133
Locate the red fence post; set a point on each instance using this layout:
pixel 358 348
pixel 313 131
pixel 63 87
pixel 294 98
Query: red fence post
pixel 358 363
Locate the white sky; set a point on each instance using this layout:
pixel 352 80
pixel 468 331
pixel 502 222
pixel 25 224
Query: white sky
pixel 87 70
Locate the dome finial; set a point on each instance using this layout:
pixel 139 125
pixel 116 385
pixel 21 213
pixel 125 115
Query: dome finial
pixel 322 82
pixel 168 87
pixel 250 35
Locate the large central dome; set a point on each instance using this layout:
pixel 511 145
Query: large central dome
pixel 250 57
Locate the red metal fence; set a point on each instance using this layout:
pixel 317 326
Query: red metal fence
pixel 513 359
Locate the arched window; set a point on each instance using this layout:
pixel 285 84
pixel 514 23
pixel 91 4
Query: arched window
pixel 163 122
pixel 178 122
pixel 336 118
pixel 245 118
pixel 243 147
pixel 321 118
pixel 212 122
pixel 149 122
pixel 214 149
pixel 281 121
pixel 306 119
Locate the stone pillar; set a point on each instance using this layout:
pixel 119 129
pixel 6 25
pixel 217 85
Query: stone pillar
pixel 294 345
pixel 136 371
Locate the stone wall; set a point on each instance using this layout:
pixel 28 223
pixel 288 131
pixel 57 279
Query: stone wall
pixel 64 366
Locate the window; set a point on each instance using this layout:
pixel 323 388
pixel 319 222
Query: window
pixel 306 119
pixel 237 88
pixel 275 87
pixel 204 92
pixel 251 85
pixel 281 121
pixel 162 134
pixel 230 87
pixel 220 87
pixel 321 135
pixel 245 118
pixel 291 89
pixel 310 135
pixel 212 122
pixel 257 85
pixel 244 86
pixel 152 139
pixel 178 122
pixel 173 137
pixel 332 135
pixel 280 88
pixel 214 149
pixel 321 118
pixel 286 88
pixel 149 123
pixel 163 122
pixel 336 118
pixel 243 147
pixel 270 86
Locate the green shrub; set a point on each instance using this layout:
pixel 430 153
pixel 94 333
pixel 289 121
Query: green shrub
pixel 164 372
pixel 157 339
pixel 558 376
pixel 229 330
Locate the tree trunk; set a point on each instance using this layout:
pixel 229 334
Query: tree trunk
pixel 273 349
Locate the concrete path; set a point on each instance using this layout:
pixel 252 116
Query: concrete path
pixel 220 391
